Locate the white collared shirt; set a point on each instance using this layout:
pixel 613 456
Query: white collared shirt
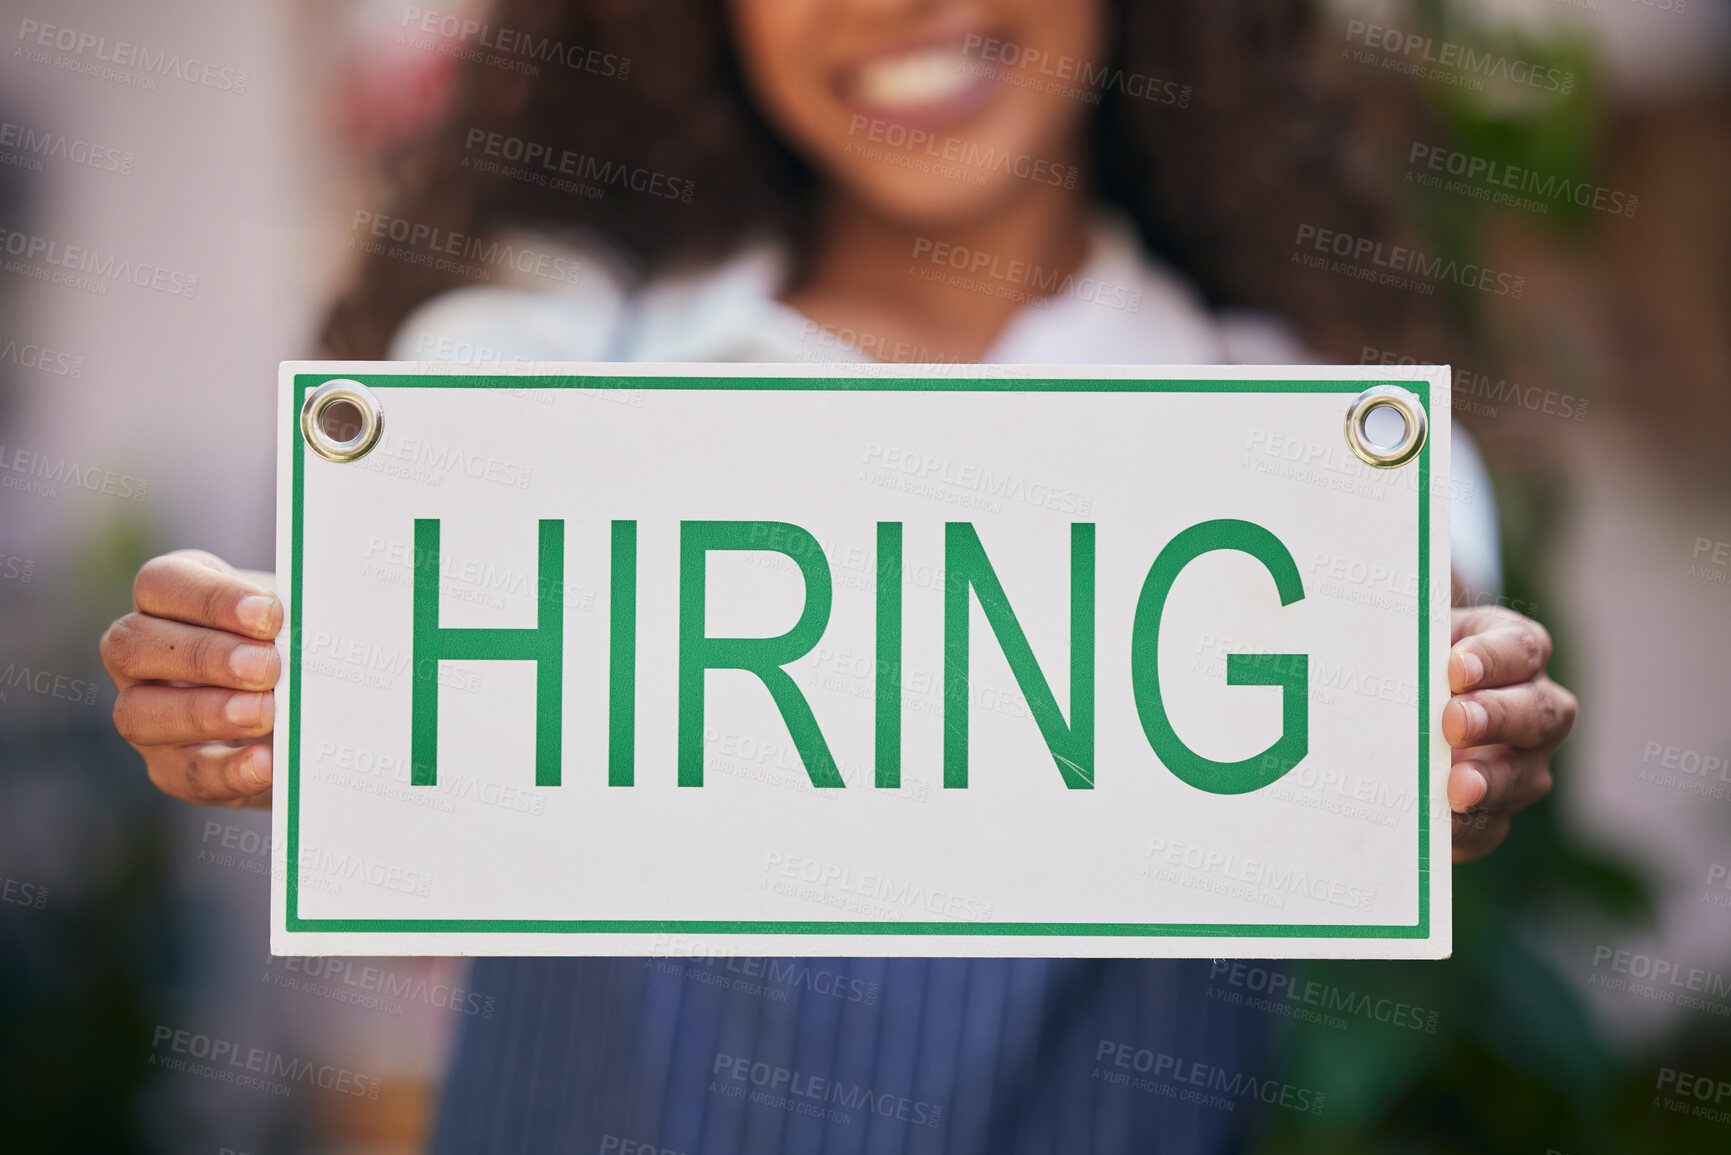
pixel 1121 307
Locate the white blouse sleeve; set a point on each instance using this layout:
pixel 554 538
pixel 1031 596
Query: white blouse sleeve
pixel 484 325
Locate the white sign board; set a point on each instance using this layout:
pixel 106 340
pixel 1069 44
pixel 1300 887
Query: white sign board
pixel 874 660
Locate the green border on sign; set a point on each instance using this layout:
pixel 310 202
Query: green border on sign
pixel 307 381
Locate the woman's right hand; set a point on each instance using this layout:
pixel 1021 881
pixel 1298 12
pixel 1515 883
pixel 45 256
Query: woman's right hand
pixel 195 664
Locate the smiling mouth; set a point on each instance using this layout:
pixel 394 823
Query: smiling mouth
pixel 933 82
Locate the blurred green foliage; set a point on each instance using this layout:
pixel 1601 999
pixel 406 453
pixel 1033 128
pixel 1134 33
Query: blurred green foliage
pixel 1516 1063
pixel 81 978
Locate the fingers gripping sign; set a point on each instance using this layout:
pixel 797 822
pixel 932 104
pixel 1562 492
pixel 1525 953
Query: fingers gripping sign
pixel 1505 718
pixel 196 664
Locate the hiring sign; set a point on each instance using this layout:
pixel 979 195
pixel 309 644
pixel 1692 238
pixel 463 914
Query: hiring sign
pixel 872 660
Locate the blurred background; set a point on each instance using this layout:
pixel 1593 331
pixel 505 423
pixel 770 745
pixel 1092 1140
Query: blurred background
pixel 1591 986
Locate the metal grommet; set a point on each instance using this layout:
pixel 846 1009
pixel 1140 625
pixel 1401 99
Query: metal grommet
pixel 1403 402
pixel 328 394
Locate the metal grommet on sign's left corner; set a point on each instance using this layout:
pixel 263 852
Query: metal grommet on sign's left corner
pixel 341 390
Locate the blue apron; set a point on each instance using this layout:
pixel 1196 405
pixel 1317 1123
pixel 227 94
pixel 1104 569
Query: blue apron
pixel 683 1056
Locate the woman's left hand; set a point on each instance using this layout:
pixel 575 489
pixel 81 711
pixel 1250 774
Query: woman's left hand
pixel 1503 721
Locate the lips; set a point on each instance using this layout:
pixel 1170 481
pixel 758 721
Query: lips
pixel 927 84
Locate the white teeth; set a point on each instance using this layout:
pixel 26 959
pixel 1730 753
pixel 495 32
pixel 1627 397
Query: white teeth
pixel 925 76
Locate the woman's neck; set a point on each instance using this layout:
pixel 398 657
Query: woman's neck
pixel 937 293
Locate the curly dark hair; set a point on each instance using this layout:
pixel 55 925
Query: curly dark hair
pixel 1269 139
